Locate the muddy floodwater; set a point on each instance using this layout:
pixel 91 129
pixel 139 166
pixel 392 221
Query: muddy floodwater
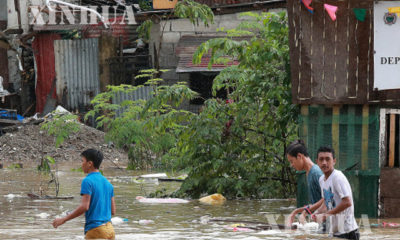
pixel 23 218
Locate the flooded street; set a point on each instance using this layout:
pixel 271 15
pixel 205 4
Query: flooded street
pixel 23 218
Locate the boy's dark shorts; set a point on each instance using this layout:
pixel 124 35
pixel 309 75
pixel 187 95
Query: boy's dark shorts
pixel 354 235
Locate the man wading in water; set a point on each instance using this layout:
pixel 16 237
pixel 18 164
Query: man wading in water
pixel 336 205
pixel 97 199
pixel 299 159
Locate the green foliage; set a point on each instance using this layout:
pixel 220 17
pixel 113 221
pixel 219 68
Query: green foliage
pixel 45 164
pixel 146 129
pixel 160 193
pixel 233 147
pixel 144 30
pixel 194 11
pixel 77 169
pixel 14 166
pixel 61 126
pixel 237 148
pixel 145 5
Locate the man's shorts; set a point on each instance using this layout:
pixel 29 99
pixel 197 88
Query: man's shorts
pixel 105 231
pixel 354 235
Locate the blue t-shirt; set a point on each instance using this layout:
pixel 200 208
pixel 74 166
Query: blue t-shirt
pixel 101 191
pixel 314 189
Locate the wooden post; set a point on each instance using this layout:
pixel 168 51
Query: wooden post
pixel 351 134
pixel 392 139
pixel 364 137
pixel 304 114
pixel 108 49
pixel 335 131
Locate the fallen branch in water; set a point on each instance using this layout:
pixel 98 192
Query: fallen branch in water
pixel 35 196
pixel 170 180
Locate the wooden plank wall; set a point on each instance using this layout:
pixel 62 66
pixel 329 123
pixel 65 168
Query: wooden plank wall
pixel 332 61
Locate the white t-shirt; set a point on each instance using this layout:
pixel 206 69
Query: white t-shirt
pixel 333 190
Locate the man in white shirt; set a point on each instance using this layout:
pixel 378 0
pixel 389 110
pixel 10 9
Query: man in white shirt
pixel 336 206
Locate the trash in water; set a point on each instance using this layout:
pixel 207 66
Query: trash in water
pixel 238 228
pixel 204 219
pixel 311 226
pixel 155 175
pixel 43 215
pixel 10 196
pixel 63 214
pixel 237 225
pixel 145 180
pixel 118 220
pixel 385 225
pixel 160 200
pixel 145 222
pixel 269 232
pixel 215 199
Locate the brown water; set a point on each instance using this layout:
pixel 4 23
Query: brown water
pixel 23 218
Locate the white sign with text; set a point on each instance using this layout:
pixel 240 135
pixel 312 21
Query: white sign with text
pixel 386 46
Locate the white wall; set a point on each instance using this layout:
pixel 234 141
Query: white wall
pixel 3 10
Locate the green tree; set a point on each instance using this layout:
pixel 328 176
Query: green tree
pixel 146 129
pixel 237 147
pixel 61 126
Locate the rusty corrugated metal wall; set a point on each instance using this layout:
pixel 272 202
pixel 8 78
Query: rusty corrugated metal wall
pixel 77 70
pixel 45 70
pixel 125 32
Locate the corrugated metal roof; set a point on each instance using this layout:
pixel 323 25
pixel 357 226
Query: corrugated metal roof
pixel 143 93
pixel 45 70
pixel 185 49
pixel 77 70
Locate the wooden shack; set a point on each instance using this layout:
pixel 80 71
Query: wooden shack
pixel 344 77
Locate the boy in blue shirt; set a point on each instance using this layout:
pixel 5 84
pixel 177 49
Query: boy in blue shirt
pixel 299 159
pixel 97 199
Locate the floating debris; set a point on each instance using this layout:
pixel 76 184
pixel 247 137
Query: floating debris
pixel 118 220
pixel 43 215
pixel 155 175
pixel 215 199
pixel 145 222
pixel 10 196
pixel 160 200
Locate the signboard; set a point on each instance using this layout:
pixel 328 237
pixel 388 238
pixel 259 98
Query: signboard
pixel 386 45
